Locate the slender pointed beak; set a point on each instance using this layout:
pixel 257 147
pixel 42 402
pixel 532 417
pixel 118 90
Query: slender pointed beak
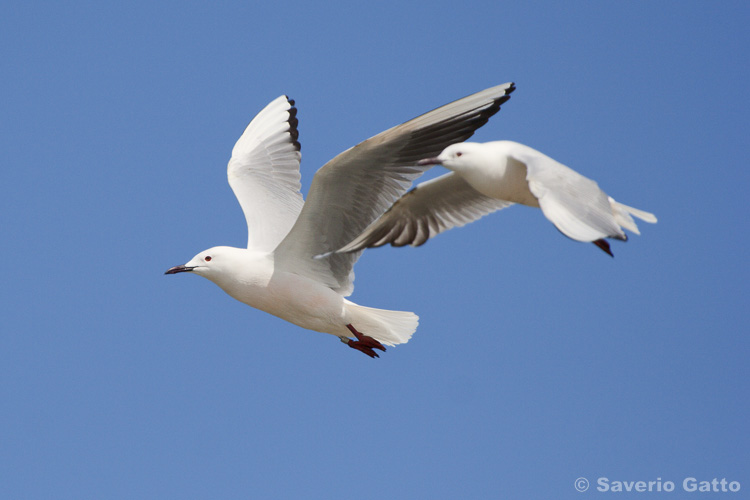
pixel 430 161
pixel 179 269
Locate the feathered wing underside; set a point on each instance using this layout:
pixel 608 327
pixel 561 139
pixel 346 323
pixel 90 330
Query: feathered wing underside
pixel 427 210
pixel 572 202
pixel 357 186
pixel 264 174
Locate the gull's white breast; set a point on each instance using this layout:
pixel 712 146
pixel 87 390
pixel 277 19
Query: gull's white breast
pixel 297 299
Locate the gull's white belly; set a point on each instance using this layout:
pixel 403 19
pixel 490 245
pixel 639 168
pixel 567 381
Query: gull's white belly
pixel 296 299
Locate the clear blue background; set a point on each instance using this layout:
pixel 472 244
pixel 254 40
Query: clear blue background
pixel 537 360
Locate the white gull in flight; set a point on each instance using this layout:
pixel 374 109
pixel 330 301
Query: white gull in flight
pixel 277 272
pixel 494 175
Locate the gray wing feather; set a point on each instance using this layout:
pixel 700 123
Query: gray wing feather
pixel 353 189
pixel 427 210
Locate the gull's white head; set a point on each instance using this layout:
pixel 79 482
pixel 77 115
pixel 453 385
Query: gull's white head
pixel 212 263
pixel 457 157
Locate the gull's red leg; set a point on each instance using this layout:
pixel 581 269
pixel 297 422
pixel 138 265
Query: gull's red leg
pixel 364 343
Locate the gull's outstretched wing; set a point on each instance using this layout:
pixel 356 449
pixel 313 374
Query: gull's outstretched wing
pixel 264 174
pixel 353 189
pixel 572 202
pixel 427 210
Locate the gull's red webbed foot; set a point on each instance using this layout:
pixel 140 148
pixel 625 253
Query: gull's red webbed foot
pixel 364 343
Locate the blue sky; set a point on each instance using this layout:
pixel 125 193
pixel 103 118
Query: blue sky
pixel 538 360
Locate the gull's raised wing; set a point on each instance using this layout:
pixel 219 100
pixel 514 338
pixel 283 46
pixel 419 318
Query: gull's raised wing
pixel 427 210
pixel 353 189
pixel 264 174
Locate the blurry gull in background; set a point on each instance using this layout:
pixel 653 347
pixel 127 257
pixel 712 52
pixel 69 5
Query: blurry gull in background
pixel 494 175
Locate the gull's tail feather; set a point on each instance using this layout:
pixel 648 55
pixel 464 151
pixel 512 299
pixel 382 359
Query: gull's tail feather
pixel 623 214
pixel 388 327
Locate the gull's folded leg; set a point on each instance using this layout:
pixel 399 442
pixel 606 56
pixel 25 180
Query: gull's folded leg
pixel 363 343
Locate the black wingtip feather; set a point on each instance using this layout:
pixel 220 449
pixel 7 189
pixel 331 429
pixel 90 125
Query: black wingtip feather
pixel 484 116
pixel 293 123
pixel 433 139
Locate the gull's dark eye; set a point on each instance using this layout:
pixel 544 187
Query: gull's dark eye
pixel 458 153
pixel 207 258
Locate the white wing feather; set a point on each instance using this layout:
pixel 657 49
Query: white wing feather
pixel 264 174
